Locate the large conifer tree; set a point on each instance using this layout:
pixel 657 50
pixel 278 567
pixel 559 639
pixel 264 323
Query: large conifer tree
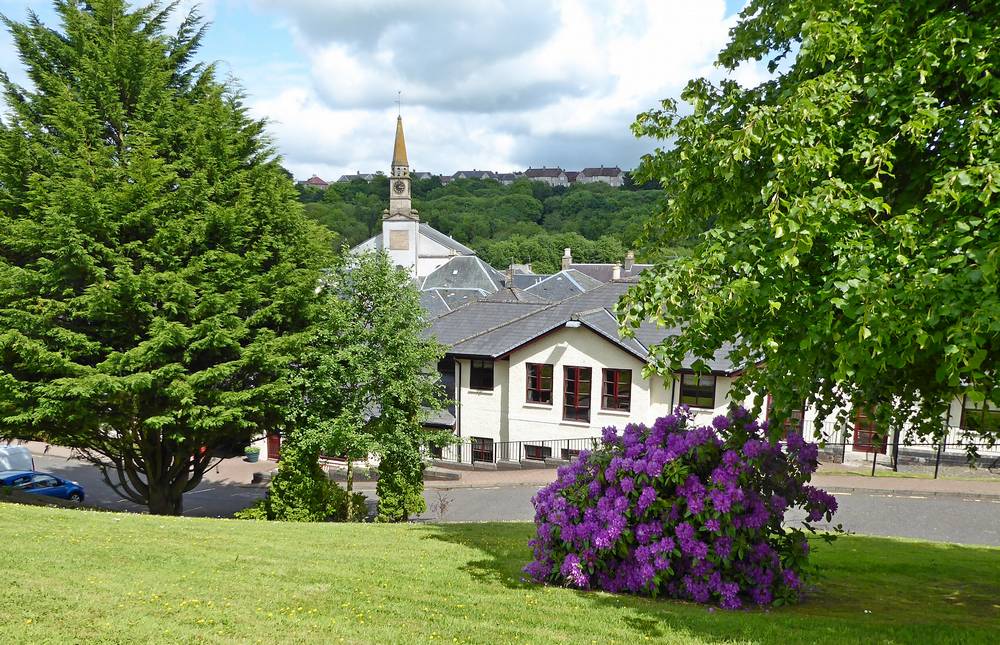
pixel 156 271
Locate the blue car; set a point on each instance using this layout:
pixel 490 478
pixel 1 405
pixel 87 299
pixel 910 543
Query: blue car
pixel 28 481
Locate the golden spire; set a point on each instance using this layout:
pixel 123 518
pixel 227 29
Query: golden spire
pixel 399 150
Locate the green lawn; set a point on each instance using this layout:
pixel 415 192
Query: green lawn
pixel 72 576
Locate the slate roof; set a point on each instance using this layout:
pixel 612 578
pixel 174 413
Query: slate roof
pixel 464 272
pixel 604 272
pixel 433 303
pixel 613 171
pixel 543 172
pixel 494 329
pixel 525 280
pixel 512 294
pixel 444 240
pixel 562 285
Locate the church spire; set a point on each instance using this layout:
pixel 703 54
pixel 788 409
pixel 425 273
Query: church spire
pixel 399 150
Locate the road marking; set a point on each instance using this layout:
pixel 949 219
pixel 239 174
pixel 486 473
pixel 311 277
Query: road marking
pixel 201 490
pixel 917 496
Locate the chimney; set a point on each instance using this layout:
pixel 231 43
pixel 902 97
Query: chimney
pixel 567 258
pixel 616 272
pixel 629 260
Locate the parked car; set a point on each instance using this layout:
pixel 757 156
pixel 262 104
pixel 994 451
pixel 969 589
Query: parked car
pixel 28 481
pixel 16 458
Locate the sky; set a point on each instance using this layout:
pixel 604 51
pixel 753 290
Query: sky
pixel 485 84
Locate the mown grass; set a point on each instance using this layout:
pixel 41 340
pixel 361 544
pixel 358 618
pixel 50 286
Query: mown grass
pixel 77 576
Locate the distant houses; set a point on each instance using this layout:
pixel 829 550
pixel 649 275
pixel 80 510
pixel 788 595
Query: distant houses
pixel 610 175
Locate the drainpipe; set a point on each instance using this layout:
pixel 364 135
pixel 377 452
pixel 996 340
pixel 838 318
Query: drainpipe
pixel 673 386
pixel 458 407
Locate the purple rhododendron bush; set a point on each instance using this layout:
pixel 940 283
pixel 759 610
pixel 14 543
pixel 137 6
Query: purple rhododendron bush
pixel 693 513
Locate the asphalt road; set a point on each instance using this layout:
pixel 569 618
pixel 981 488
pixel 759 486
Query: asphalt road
pixel 944 519
pixel 209 499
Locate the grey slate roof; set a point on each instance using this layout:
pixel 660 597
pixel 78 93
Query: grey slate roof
pixel 525 280
pixel 464 272
pixel 513 294
pixel 494 329
pixel 433 304
pixel 543 172
pixel 562 285
pixel 603 272
pixel 444 240
pixel 613 171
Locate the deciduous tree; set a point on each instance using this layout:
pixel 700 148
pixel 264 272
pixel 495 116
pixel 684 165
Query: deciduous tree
pixel 854 193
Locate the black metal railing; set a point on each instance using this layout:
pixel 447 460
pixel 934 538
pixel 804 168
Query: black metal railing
pixel 839 444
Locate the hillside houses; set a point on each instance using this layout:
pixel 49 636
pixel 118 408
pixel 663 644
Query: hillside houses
pixel 611 175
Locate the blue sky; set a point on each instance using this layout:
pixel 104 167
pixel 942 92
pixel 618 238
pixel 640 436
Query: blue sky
pixel 487 84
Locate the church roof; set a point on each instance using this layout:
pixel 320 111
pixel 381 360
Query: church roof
pixel 399 150
pixel 464 272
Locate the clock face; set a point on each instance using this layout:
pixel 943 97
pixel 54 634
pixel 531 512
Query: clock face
pixel 399 186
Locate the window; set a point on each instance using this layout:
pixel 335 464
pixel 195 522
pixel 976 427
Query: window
pixel 981 420
pixel 43 481
pixel 537 452
pixel 576 393
pixel 481 375
pixel 698 391
pixel 482 449
pixel 617 390
pixel 570 454
pixel 539 383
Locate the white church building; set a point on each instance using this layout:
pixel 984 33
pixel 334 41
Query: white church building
pixel 409 242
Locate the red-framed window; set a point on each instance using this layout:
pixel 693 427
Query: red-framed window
pixel 576 393
pixel 482 449
pixel 698 391
pixel 539 383
pixel 617 394
pixel 537 453
pixel 481 375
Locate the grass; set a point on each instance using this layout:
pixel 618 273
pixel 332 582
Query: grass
pixel 72 576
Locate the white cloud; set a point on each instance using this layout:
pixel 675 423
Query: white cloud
pixel 486 83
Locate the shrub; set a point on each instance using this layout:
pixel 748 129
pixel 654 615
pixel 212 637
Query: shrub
pixel 400 487
pixel 302 492
pixel 688 513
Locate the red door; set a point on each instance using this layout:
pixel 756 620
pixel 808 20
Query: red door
pixel 273 446
pixel 866 437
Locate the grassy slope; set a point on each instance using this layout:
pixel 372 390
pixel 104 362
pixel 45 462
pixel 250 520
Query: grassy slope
pixel 70 576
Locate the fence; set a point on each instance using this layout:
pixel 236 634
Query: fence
pixel 492 452
pixel 840 445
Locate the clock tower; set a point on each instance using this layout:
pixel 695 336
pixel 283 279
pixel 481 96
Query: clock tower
pixel 400 223
pixel 399 179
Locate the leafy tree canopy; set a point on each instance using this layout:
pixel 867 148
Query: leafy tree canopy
pixel 854 194
pixel 481 212
pixel 368 382
pixel 156 272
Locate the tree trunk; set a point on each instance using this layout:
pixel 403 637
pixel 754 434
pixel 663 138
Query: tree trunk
pixel 350 489
pixel 163 500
